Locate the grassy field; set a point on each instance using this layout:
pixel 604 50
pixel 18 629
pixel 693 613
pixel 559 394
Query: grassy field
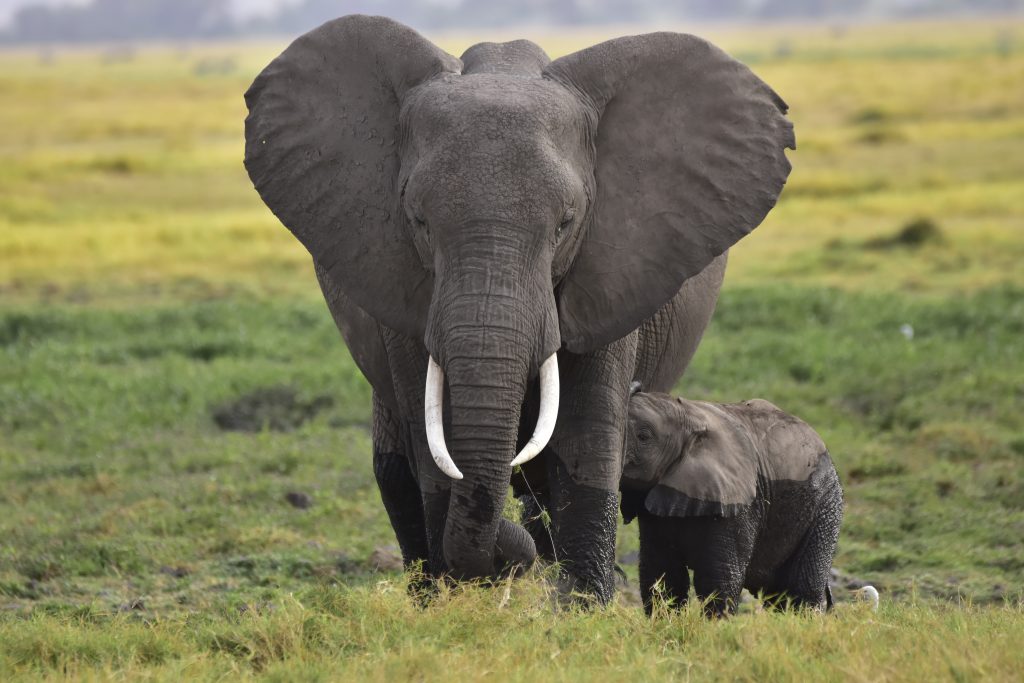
pixel 185 485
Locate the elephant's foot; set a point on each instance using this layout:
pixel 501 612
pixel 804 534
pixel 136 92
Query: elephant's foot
pixel 584 533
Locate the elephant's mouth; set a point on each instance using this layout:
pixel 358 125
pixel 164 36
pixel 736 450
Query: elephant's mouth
pixel 434 415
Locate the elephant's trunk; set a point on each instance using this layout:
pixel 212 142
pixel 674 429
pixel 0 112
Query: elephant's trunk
pixel 486 397
pixel 490 329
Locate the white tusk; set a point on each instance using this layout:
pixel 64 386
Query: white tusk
pixel 549 392
pixel 433 411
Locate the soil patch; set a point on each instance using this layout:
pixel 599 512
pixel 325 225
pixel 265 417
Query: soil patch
pixel 275 408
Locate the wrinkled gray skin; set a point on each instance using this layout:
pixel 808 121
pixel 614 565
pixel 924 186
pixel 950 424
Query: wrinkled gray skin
pixel 493 210
pixel 743 494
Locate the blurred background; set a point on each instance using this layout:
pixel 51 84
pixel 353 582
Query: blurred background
pixel 180 424
pixel 96 20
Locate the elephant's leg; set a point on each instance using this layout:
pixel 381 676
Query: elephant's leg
pixel 806 575
pixel 663 573
pixel 396 367
pixel 584 520
pixel 407 361
pixel 719 553
pixel 398 488
pixel 584 473
pixel 435 515
pixel 435 495
pixel 718 588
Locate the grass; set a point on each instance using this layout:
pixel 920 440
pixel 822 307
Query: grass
pixel 185 486
pixel 327 633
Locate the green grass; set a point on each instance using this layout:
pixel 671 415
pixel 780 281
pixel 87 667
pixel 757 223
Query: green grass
pixel 149 303
pixel 375 633
pixel 113 414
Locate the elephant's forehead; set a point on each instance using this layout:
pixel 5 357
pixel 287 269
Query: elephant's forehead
pixel 651 409
pixel 493 104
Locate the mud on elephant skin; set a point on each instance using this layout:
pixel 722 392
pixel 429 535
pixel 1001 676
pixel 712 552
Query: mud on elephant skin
pixel 514 229
pixel 743 494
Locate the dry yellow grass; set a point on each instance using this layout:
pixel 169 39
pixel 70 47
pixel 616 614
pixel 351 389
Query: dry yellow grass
pixel 123 181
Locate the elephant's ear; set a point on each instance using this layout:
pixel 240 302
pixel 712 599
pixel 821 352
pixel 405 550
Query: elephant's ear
pixel 690 158
pixel 321 147
pixel 716 474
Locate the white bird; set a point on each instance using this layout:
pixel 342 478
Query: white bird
pixel 868 594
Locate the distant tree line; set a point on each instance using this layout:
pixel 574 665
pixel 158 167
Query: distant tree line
pixel 133 20
pixel 119 20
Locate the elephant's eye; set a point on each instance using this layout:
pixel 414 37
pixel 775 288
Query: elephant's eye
pixel 420 223
pixel 644 435
pixel 567 219
pixel 421 230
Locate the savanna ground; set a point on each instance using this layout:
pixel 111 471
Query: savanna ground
pixel 185 481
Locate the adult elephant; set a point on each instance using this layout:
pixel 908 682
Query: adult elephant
pixel 531 234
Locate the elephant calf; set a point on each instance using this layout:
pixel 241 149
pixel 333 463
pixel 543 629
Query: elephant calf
pixel 743 494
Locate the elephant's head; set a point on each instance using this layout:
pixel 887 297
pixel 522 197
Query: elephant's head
pixel 502 206
pixel 686 458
